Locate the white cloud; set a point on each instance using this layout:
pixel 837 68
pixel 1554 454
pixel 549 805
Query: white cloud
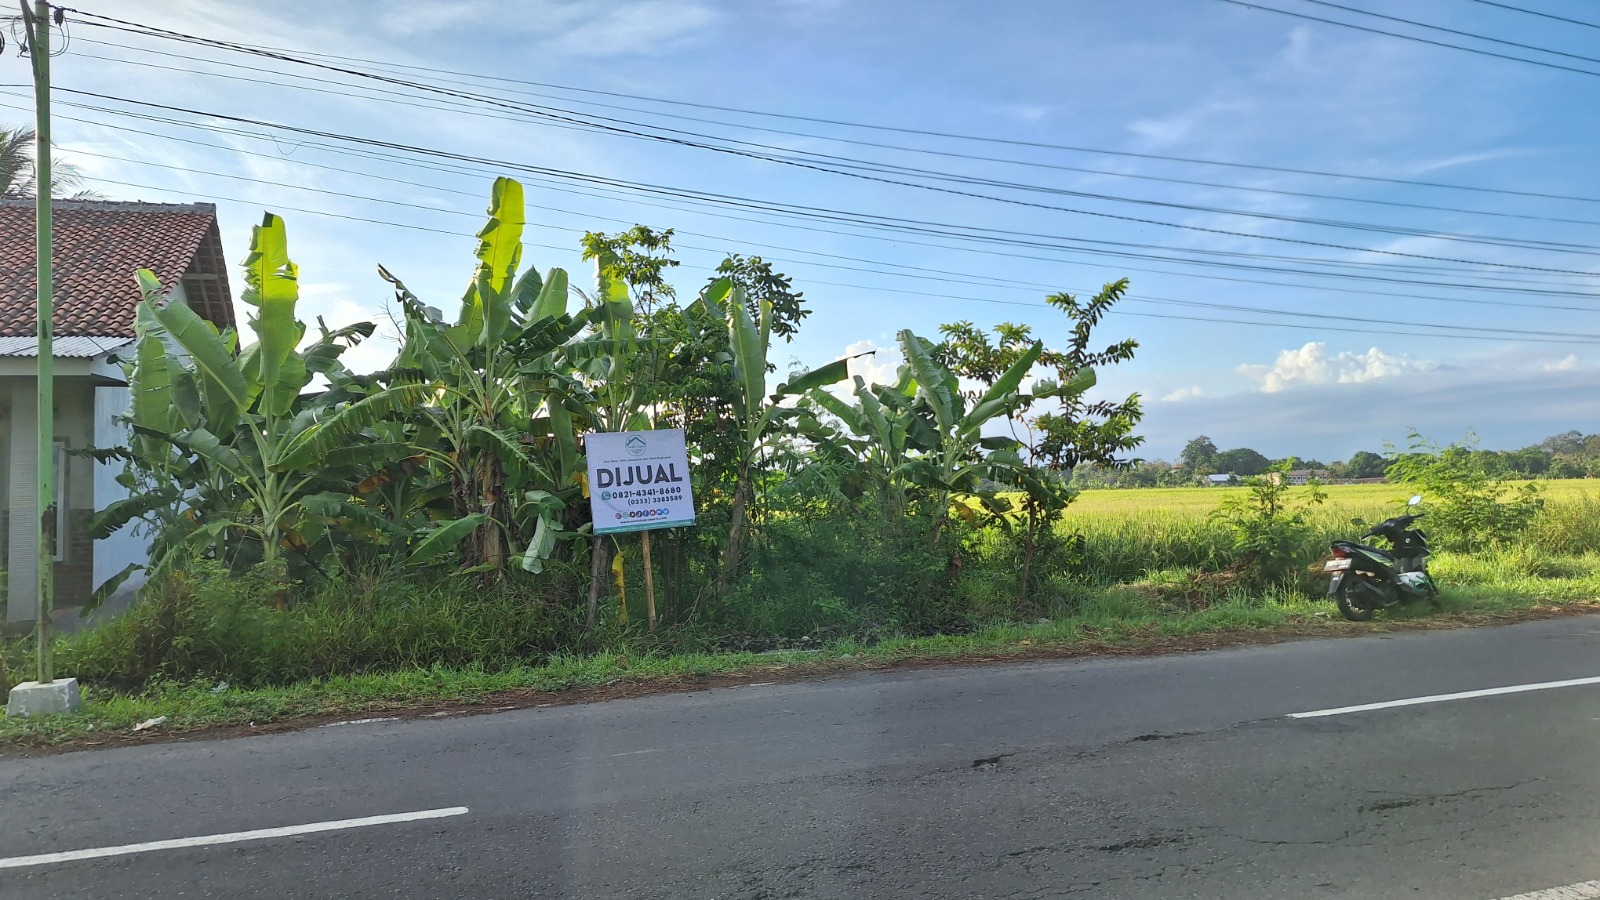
pixel 882 367
pixel 1182 394
pixel 1504 408
pixel 1177 128
pixel 1566 364
pixel 639 27
pixel 1028 112
pixel 1312 364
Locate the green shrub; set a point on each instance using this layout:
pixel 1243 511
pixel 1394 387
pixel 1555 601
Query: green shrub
pixel 852 572
pixel 1469 508
pixel 1268 524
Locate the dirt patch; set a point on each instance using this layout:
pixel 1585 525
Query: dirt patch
pixel 1137 643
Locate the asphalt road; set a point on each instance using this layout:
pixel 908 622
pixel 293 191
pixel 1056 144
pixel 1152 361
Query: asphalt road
pixel 1166 777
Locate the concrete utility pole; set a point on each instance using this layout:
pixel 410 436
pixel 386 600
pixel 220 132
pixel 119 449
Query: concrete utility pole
pixel 47 695
pixel 39 53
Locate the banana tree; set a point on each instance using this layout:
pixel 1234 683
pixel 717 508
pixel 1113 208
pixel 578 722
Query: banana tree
pixel 482 400
pixel 956 460
pixel 225 434
pixel 754 410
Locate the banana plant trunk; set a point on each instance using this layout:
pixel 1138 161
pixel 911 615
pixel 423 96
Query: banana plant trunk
pixel 736 529
pixel 599 568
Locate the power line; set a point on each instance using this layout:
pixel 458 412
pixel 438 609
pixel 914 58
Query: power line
pixel 189 70
pixel 1534 12
pixel 149 31
pixel 859 169
pixel 965 236
pixel 1487 240
pixel 1468 34
pixel 966 276
pixel 587 177
pixel 1191 274
pixel 1569 339
pixel 1409 37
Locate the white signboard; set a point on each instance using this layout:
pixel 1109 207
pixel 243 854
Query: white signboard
pixel 639 480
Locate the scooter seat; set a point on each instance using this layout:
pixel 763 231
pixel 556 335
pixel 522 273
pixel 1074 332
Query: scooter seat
pixel 1378 551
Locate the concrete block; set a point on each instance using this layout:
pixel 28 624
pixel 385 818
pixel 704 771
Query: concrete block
pixel 31 698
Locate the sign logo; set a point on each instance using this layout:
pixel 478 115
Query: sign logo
pixel 634 445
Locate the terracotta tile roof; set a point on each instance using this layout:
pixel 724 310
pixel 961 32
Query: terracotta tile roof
pixel 98 245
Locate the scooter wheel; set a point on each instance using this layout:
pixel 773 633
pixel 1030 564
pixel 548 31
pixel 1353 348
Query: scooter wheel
pixel 1347 605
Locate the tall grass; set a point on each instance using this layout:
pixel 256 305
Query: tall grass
pixel 1126 556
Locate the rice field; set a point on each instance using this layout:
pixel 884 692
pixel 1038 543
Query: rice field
pixel 1130 534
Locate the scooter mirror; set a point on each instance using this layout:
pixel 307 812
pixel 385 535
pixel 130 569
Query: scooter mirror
pixel 1415 499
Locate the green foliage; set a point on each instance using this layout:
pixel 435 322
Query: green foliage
pixel 853 572
pixel 1199 456
pixel 1469 507
pixel 1268 523
pixel 227 453
pixel 272 461
pixel 206 623
pixel 1366 464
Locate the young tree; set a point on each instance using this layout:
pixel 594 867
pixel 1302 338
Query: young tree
pixel 1054 442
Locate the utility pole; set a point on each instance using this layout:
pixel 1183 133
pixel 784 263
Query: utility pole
pixel 39 53
pixel 46 695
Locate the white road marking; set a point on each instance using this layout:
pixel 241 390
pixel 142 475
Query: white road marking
pixel 1588 890
pixel 1441 698
pixel 45 859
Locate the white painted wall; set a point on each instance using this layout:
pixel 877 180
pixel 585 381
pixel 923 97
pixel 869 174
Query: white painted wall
pixel 22 601
pixel 114 553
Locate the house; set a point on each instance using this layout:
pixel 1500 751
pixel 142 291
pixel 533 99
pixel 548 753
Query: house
pixel 1304 476
pixel 1220 480
pixel 98 245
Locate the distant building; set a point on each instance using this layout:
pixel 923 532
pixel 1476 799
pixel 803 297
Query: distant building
pixel 1301 476
pixel 1221 479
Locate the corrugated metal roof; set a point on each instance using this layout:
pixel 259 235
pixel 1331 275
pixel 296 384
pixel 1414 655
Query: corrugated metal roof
pixel 66 347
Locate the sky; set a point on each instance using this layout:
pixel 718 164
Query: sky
pixel 1333 236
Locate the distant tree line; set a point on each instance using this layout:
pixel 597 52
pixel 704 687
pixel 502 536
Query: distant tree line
pixel 1571 454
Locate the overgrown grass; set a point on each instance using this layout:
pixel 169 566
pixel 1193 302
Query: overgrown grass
pixel 1150 566
pixel 1125 616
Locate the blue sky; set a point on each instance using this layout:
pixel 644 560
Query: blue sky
pixel 1197 79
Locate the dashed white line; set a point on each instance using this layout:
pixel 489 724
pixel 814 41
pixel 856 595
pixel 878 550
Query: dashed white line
pixel 1588 890
pixel 1443 698
pixel 45 859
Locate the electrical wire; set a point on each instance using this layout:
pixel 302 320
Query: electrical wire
pixel 889 128
pixel 1467 286
pixel 878 173
pixel 587 177
pixel 1458 33
pixel 189 70
pixel 1534 12
pixel 1563 338
pixel 1408 37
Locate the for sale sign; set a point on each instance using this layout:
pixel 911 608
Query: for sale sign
pixel 639 480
